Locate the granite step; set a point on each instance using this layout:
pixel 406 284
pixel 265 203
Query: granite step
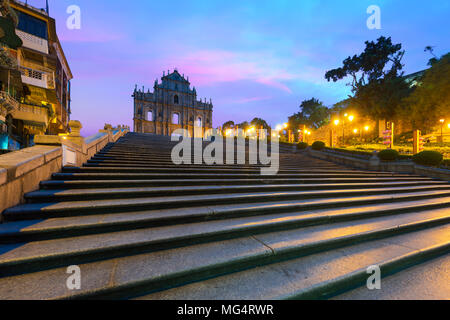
pixel 204 169
pixel 331 183
pixel 43 196
pixel 73 208
pixel 43 255
pixel 315 276
pixel 426 281
pixel 317 177
pixel 63 227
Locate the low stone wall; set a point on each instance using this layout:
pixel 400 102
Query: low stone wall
pixel 22 171
pixel 375 164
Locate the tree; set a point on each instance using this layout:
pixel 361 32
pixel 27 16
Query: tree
pixel 258 123
pixel 312 113
pixel 430 100
pixel 228 125
pixel 377 82
pixel 244 125
pixel 433 60
pixel 315 113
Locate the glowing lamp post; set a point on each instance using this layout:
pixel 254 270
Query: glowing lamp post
pixel 442 126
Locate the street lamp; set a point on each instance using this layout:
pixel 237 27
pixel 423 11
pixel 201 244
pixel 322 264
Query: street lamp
pixel 442 125
pixel 350 118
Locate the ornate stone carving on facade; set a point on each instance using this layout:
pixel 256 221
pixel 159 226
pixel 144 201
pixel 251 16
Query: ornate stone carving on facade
pixel 171 105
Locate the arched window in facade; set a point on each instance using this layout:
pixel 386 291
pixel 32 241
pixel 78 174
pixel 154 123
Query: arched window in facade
pixel 198 122
pixel 176 99
pixel 175 118
pixel 150 115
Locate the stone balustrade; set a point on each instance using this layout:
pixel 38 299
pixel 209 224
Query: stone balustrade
pixel 22 171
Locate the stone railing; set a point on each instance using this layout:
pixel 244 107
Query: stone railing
pixel 375 164
pixel 37 78
pixel 33 42
pixel 22 171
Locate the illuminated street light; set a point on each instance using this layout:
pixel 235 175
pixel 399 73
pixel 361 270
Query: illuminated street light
pixel 366 128
pixel 351 118
pixel 279 127
pixel 336 122
pixel 355 131
pixel 442 126
pixel 286 125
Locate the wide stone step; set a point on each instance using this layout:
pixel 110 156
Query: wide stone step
pixel 315 276
pixel 179 177
pixel 233 265
pixel 32 230
pixel 204 169
pixel 153 163
pixel 62 252
pixel 123 193
pixel 425 281
pixel 314 183
pixel 118 174
pixel 70 208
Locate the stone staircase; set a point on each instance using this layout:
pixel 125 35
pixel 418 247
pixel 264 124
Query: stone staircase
pixel 141 227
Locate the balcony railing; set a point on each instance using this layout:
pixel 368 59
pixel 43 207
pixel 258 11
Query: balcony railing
pixel 33 109
pixel 8 102
pixel 37 78
pixel 33 42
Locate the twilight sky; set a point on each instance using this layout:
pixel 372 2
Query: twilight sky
pixel 253 58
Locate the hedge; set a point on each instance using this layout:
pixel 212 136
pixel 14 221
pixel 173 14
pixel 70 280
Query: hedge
pixel 388 155
pixel 318 145
pixel 428 158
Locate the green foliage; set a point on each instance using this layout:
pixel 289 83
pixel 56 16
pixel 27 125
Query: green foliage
pixel 375 78
pixel 428 158
pixel 388 155
pixel 302 145
pixel 430 100
pixel 228 125
pixel 258 122
pixel 318 145
pixel 243 125
pixel 313 114
pixel 6 60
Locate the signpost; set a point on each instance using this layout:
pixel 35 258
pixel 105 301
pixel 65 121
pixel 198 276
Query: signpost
pixel 417 142
pixel 389 135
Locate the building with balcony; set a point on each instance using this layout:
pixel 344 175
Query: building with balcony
pixel 43 73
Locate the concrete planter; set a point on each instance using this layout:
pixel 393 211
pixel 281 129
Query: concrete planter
pixel 375 164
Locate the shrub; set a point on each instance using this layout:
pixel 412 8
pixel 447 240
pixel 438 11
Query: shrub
pixel 428 158
pixel 318 145
pixel 388 155
pixel 302 145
